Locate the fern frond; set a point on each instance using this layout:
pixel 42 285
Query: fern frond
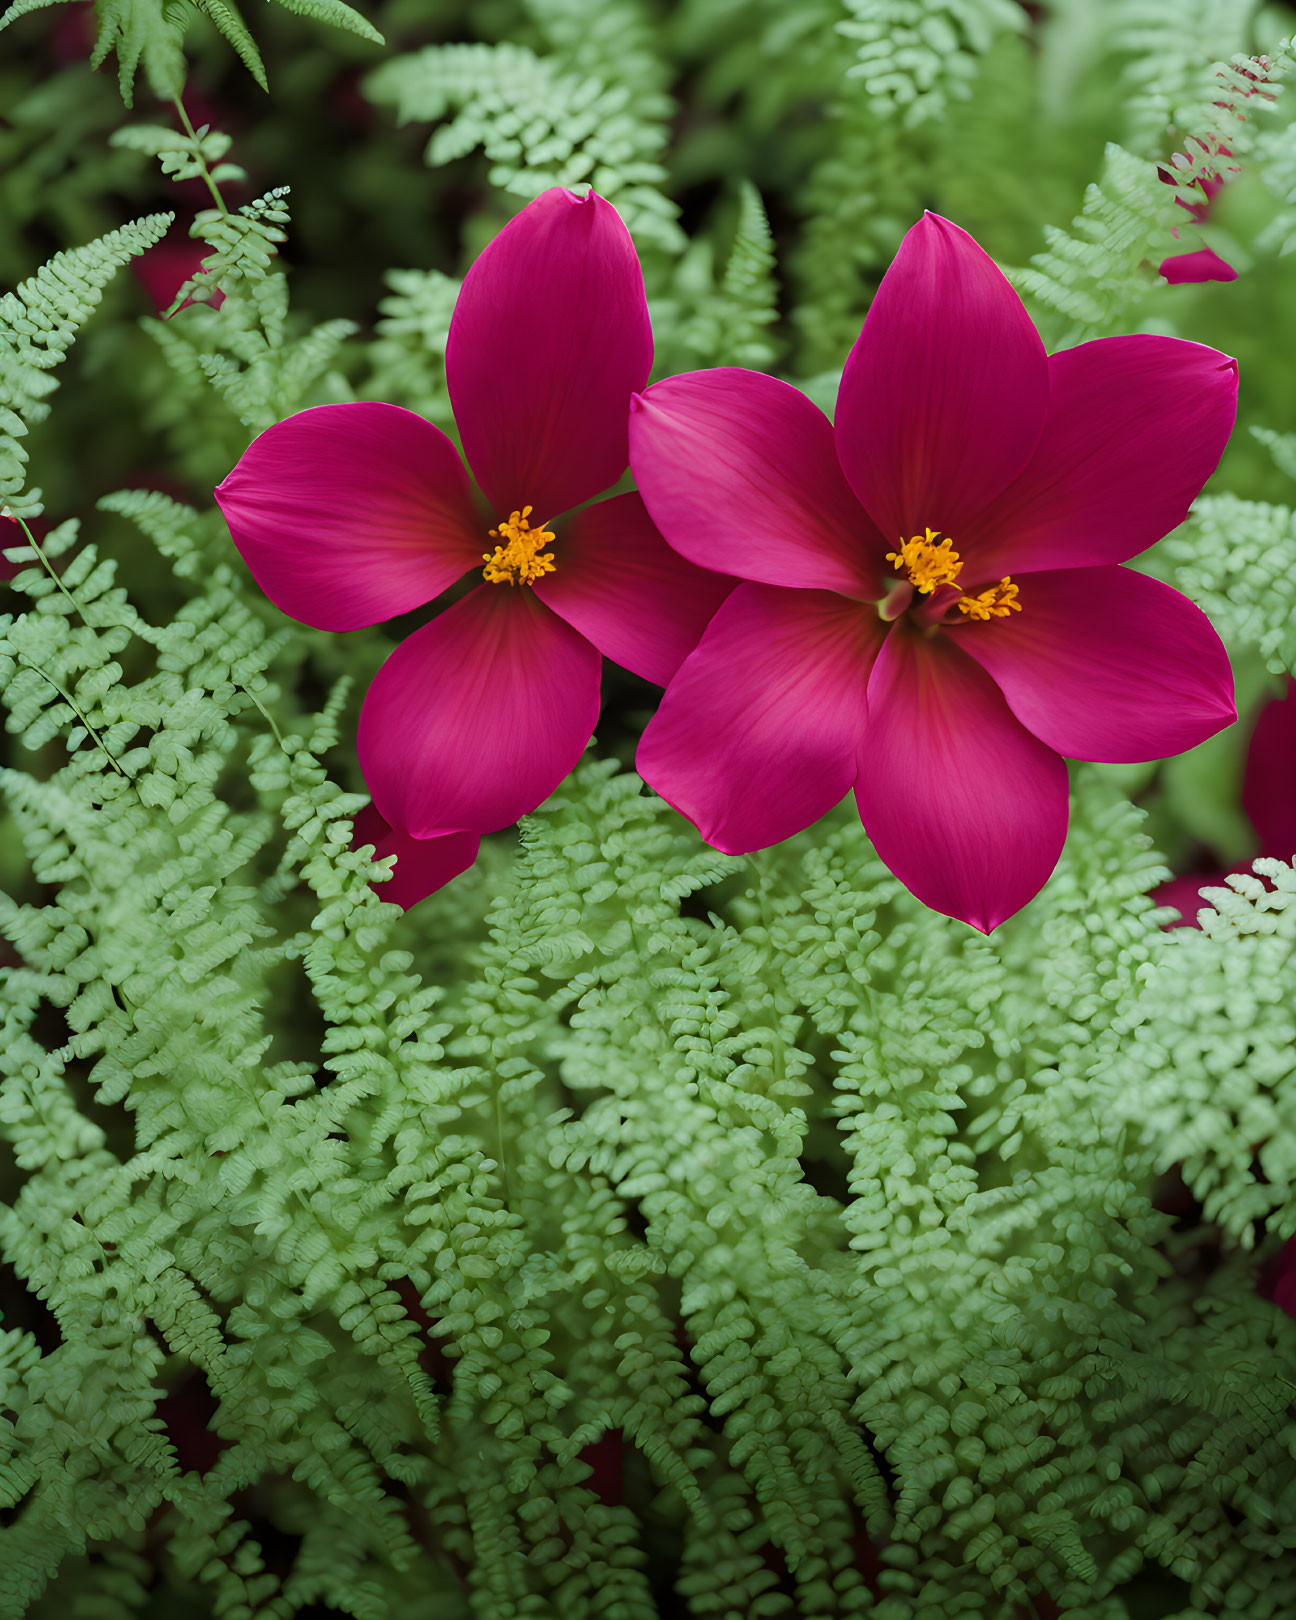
pixel 723 321
pixel 913 56
pixel 1173 47
pixel 539 126
pixel 1237 560
pixel 150 34
pixel 1095 276
pixel 1098 276
pixel 200 157
pixel 39 321
pixel 407 356
pixel 611 40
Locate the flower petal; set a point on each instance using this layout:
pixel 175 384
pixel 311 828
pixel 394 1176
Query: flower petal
pixel 348 514
pixel 757 735
pixel 1106 664
pixel 1269 783
pixel 740 474
pixel 619 583
pixel 423 865
pixel 962 803
pixel 943 396
pixel 549 339
pixel 1202 265
pixel 1135 427
pixel 477 717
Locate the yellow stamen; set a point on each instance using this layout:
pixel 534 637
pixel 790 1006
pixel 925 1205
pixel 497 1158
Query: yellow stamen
pixel 997 602
pixel 928 562
pixel 518 559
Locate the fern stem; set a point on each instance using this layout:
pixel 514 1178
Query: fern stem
pixel 76 710
pixel 200 160
pixel 46 564
pixel 265 714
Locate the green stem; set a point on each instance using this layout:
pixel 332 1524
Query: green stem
pixel 73 705
pixel 266 715
pixel 200 160
pixel 47 565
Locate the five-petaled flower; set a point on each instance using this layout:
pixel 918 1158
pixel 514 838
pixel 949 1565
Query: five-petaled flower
pixel 349 514
pixel 932 611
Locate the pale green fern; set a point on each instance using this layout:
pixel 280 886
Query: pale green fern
pixel 724 319
pixel 913 56
pixel 1172 48
pixel 38 322
pixel 1237 560
pixel 538 125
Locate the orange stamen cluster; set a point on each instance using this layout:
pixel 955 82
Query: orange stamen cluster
pixel 995 603
pixel 931 563
pixel 518 559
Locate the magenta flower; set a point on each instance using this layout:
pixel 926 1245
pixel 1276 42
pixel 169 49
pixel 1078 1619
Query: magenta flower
pixel 933 613
pixel 1268 798
pixel 348 514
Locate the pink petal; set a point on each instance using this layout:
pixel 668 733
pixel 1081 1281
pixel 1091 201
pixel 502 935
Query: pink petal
pixel 740 474
pixel 1269 784
pixel 1106 664
pixel 619 583
pixel 550 337
pixel 477 717
pixel 757 735
pixel 943 395
pixel 962 803
pixel 348 514
pixel 423 865
pixel 1134 429
pixel 1202 265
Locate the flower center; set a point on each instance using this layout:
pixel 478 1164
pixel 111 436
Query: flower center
pixel 518 558
pixel 931 563
pixel 928 562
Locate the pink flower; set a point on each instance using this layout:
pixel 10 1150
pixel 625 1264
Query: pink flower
pixel 934 615
pixel 1268 797
pixel 348 514
pixel 423 865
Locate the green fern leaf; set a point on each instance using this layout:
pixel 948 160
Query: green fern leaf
pixel 38 322
pixel 538 125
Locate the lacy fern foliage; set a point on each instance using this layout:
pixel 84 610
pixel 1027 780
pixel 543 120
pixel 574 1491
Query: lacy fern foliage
pixel 628 1230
